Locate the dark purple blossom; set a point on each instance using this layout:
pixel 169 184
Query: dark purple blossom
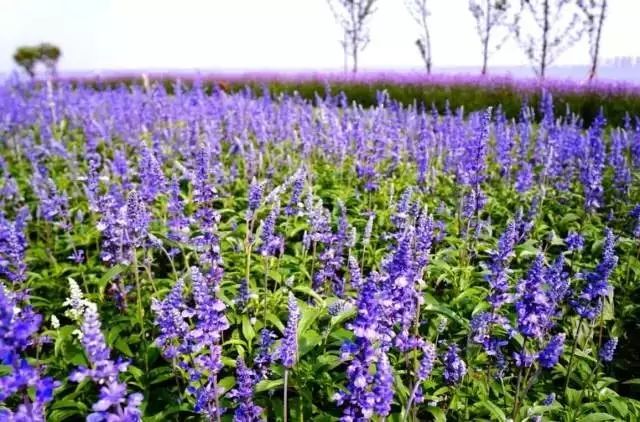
pixel 534 308
pixel 498 267
pixel 246 410
pixel 19 325
pixel 178 223
pixel 588 303
pixel 255 198
pixel 152 180
pixel 264 357
pixel 270 242
pixel 574 241
pixel 288 351
pixel 550 355
pixel 608 349
pixel 13 245
pixel 454 367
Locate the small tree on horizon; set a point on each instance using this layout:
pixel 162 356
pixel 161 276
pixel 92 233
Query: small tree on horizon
pixel 49 56
pixel 546 29
pixel 27 57
pixel 595 12
pixel 353 16
pixel 420 12
pixel 490 15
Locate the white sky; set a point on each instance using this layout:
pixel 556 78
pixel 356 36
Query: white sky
pixel 262 35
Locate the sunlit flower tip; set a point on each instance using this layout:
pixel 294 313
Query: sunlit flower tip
pixel 55 323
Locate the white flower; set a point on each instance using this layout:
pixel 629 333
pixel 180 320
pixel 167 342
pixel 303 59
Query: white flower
pixel 76 301
pixel 77 333
pixel 55 323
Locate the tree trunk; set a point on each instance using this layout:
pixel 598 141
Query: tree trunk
pixel 485 38
pixel 354 54
pixel 596 46
pixel 345 52
pixel 427 49
pixel 545 39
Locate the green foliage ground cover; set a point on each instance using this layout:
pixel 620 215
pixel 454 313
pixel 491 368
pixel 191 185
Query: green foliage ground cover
pixel 149 185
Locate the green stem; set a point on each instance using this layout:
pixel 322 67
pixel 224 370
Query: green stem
pixel 516 404
pixel 140 308
pixel 573 352
pixel 410 401
pixel 266 290
pixel 284 403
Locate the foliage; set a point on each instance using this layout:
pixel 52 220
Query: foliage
pixel 617 100
pixel 233 256
pixel 28 57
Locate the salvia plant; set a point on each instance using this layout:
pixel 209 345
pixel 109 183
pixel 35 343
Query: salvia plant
pixel 204 255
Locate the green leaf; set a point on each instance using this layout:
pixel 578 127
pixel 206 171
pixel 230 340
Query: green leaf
pixel 267 385
pixel 309 316
pixel 275 321
pixel 596 417
pixel 495 411
pixel 309 292
pixel 122 345
pixel 437 413
pixel 247 329
pixel 308 341
pixel 444 310
pixel 62 414
pixel 341 317
pixel 112 273
pixel 226 383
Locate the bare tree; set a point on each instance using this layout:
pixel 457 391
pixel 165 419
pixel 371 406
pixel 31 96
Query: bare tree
pixel 595 12
pixel 420 12
pixel 491 15
pixel 546 29
pixel 353 16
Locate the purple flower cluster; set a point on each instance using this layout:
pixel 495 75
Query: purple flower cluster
pixel 574 242
pixel 123 226
pixel 288 350
pixel 359 400
pixel 190 334
pixel 246 410
pixel 608 349
pixel 113 402
pixel 454 367
pixel 498 267
pixel 13 244
pixel 588 303
pixel 270 242
pixel 19 326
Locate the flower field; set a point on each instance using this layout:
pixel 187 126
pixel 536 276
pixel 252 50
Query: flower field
pixel 227 256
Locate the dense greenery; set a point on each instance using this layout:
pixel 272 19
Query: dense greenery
pixel 264 258
pixel 473 93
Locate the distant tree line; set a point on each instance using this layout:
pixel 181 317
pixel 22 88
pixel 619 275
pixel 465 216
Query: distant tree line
pixel 543 29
